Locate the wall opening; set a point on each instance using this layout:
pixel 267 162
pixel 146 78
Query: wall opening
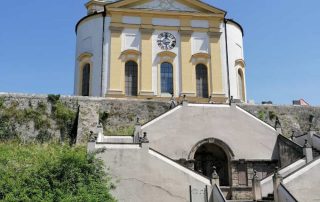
pixel 131 78
pixel 241 88
pixel 166 78
pixel 202 81
pixel 86 71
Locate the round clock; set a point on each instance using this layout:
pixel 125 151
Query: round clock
pixel 166 41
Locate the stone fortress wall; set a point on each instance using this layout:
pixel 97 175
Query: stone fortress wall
pixel 293 119
pixel 119 116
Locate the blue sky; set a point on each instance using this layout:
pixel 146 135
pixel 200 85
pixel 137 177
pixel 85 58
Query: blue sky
pixel 37 41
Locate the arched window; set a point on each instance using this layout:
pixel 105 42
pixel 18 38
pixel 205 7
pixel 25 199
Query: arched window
pixel 166 78
pixel 241 85
pixel 85 90
pixel 131 80
pixel 202 80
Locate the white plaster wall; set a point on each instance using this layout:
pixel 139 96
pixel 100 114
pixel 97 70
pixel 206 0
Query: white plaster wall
pixel 199 42
pixel 235 47
pixel 131 20
pixel 165 22
pixel 155 61
pixel 106 57
pixel 200 23
pixel 224 59
pixel 130 39
pixel 89 39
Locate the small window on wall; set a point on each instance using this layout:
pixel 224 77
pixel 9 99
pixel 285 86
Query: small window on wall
pixel 242 174
pixel 85 90
pixel 241 85
pixel 166 78
pixel 202 81
pixel 131 80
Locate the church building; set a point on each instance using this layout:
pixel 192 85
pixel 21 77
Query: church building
pixel 159 48
pixel 194 152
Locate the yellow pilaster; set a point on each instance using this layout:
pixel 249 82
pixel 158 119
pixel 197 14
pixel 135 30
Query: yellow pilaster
pixel 216 65
pixel 146 61
pixel 187 70
pixel 116 82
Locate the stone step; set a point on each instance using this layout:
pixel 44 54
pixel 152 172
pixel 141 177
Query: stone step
pixel 250 201
pixel 118 139
pixel 239 201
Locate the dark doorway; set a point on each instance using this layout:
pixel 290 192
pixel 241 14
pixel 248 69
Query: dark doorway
pixel 86 80
pixel 202 81
pixel 131 71
pixel 209 155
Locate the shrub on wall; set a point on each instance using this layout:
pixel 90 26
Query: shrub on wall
pixel 17 119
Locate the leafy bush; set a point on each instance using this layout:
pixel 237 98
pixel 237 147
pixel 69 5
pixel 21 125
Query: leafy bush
pixel 51 173
pixel 53 98
pixel 261 115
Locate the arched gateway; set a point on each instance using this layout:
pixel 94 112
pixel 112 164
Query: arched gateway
pixel 211 153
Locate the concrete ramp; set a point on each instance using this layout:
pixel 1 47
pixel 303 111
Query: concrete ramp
pixel 304 183
pixel 177 132
pixel 142 174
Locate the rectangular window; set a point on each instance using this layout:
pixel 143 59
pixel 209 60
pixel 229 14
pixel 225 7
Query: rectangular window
pixel 242 174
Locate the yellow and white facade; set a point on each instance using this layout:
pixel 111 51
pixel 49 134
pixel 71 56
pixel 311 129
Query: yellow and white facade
pixel 155 48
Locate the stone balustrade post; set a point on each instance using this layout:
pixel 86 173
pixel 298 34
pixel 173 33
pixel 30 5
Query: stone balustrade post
pixel 307 151
pixel 215 177
pixel 185 101
pixel 256 188
pixel 137 131
pixel 277 179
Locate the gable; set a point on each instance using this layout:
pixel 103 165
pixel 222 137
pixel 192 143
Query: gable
pixel 193 6
pixel 170 5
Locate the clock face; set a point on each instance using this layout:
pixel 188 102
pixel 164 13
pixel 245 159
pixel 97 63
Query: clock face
pixel 166 41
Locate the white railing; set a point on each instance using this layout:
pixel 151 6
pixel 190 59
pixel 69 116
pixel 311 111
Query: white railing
pixel 313 140
pixel 178 166
pixel 316 142
pixel 300 140
pixel 217 194
pixel 284 195
pixel 267 183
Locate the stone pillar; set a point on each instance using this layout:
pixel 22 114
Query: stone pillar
pixel 185 101
pixel 307 151
pixel 144 143
pixel 277 126
pixel 100 137
pixel 99 131
pixel 137 131
pixel 277 179
pixel 215 177
pixel 91 146
pixel 256 188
